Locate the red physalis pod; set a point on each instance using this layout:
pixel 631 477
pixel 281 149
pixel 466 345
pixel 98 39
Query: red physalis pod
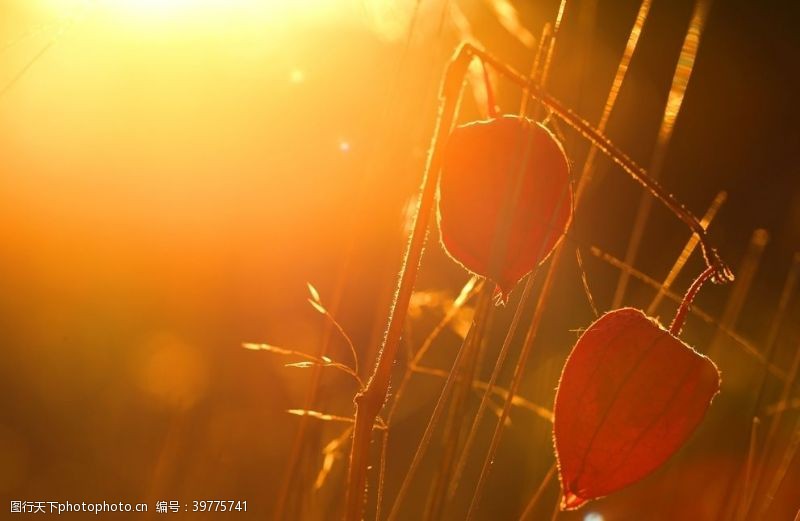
pixel 631 393
pixel 505 198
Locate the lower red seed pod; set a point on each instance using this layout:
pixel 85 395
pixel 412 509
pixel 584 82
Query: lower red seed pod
pixel 631 393
pixel 504 197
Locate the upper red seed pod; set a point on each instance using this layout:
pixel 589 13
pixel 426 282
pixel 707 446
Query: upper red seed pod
pixel 504 197
pixel 630 395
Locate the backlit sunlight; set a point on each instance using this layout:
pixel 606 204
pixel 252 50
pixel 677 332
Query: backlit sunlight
pixel 377 260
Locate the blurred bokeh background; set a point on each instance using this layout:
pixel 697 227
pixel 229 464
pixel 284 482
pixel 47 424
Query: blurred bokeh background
pixel 172 173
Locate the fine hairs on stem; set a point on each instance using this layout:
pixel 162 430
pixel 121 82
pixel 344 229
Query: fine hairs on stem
pixel 370 401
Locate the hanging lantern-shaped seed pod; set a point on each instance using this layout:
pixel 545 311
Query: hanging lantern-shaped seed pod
pixel 630 395
pixel 504 197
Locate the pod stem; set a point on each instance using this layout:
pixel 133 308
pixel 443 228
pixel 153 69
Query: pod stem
pixel 722 273
pixel 683 310
pixel 491 108
pixel 371 399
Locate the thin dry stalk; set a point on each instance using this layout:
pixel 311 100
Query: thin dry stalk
pixel 544 74
pixel 777 407
pixel 311 361
pixel 585 283
pixel 370 401
pixel 479 385
pixel 769 353
pixel 311 394
pixel 381 473
pixel 332 451
pixel 519 370
pixel 323 416
pixel 508 16
pixel 746 274
pixel 748 471
pixel 622 69
pixel 537 77
pixel 789 287
pixel 545 291
pixel 453 428
pixel 439 408
pixel 603 144
pixel 585 177
pixel 490 386
pixel 556 510
pixel 342 276
pixel 680 80
pixel 783 468
pixel 691 244
pixel 497 411
pixel 676 325
pixel 535 74
pixel 772 431
pixel 316 303
pixel 531 506
pixel 472 287
pixel 738 340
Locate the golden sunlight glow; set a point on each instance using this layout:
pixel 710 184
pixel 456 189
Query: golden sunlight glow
pixel 159 5
pixel 374 10
pixel 172 7
pixel 174 172
pixel 388 19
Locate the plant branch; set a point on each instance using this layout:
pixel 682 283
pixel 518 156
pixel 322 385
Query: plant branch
pixel 683 309
pixel 722 273
pixel 370 401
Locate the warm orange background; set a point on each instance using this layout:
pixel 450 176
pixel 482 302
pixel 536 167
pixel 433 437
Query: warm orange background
pixel 172 173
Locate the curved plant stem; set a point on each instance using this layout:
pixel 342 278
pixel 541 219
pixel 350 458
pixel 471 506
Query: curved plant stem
pixel 721 272
pixel 738 340
pixel 680 262
pixel 672 108
pixel 683 309
pixel 370 401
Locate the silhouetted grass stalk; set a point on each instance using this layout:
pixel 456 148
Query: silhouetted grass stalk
pixel 677 91
pixel 472 339
pixel 451 436
pixel 371 400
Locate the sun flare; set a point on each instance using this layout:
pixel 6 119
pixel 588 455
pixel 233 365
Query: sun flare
pixel 400 259
pixel 159 9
